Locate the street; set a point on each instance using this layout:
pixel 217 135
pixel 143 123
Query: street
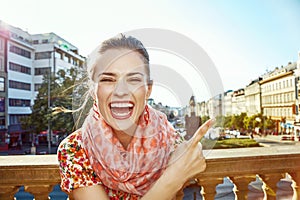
pixel 26 149
pixel 274 140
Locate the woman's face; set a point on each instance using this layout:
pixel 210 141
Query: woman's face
pixel 123 88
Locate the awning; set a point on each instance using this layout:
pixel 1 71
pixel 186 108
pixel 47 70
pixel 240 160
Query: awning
pixel 286 125
pixel 46 132
pixel 16 128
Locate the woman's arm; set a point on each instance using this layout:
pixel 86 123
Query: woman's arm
pixel 186 162
pixel 95 192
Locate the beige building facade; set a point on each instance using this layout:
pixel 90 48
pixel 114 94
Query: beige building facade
pixel 238 102
pixel 253 98
pixel 278 97
pixel 228 103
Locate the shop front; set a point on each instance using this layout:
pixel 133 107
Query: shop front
pixel 4 140
pixel 17 136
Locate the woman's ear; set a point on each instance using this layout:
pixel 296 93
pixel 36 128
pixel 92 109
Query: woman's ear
pixel 149 88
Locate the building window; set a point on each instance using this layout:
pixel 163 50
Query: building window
pixel 42 71
pixel 1 64
pixel 35 42
pixel 2 104
pixel 2 123
pixel 19 102
pixel 43 55
pixel 19 68
pixel 1 44
pixel 45 41
pixel 19 85
pixel 75 62
pixel 80 64
pixel 67 58
pixel 279 98
pixel 58 55
pixel 16 119
pixel 2 84
pixel 20 51
pixel 37 87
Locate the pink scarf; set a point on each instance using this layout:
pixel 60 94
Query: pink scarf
pixel 135 169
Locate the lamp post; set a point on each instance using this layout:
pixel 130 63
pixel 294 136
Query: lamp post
pixel 296 107
pixel 49 120
pixel 49 135
pixel 258 119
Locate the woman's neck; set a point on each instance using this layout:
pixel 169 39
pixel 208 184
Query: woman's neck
pixel 125 137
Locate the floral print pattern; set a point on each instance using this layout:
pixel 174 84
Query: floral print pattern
pixel 76 171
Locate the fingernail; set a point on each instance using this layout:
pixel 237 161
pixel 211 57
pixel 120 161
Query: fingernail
pixel 213 120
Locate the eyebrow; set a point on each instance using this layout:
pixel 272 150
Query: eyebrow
pixel 135 73
pixel 107 74
pixel 113 74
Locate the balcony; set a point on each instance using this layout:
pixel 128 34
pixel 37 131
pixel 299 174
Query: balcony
pixel 38 174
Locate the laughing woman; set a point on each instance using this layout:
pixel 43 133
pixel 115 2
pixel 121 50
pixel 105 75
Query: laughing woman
pixel 126 149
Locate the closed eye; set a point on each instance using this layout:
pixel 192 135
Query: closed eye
pixel 107 79
pixel 135 79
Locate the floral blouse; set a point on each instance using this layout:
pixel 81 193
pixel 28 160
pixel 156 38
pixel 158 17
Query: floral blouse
pixel 76 171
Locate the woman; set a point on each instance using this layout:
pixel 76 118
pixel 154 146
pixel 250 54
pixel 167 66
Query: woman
pixel 126 149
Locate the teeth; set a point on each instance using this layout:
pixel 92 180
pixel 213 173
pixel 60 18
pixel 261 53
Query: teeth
pixel 121 114
pixel 121 105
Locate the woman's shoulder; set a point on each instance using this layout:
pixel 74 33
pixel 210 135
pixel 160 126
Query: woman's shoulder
pixel 71 143
pixel 75 168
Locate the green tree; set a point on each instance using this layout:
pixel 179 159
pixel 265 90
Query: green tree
pixel 204 118
pixel 237 121
pixel 227 122
pixel 60 95
pixel 269 123
pixel 220 119
pixel 247 122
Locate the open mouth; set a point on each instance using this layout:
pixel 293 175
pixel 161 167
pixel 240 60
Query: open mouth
pixel 121 109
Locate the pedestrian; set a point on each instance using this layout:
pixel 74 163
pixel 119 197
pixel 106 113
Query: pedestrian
pixel 125 149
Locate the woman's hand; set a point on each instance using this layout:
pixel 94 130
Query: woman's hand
pixel 185 163
pixel 187 160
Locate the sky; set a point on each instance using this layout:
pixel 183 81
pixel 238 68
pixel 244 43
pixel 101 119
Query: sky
pixel 244 39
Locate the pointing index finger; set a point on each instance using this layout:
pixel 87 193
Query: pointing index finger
pixel 202 131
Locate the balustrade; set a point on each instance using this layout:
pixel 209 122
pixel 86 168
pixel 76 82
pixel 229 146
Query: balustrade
pixel 39 173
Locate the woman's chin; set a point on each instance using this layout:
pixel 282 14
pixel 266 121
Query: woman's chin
pixel 124 125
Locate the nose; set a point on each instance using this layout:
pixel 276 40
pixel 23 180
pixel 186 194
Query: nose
pixel 121 88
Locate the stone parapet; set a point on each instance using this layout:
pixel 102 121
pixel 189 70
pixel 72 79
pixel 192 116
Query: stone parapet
pixel 39 173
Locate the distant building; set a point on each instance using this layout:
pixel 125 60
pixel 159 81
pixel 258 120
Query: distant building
pixel 192 121
pixel 278 96
pixel 228 103
pixel 253 97
pixel 202 108
pixel 4 35
pixel 24 59
pixel 192 106
pixel 238 102
pixel 215 106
